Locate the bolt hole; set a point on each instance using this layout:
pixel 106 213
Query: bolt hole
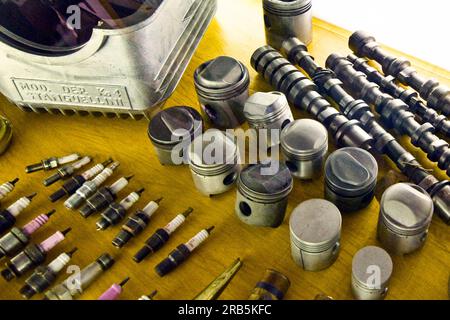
pixel 210 112
pixel 291 166
pixel 245 209
pixel 230 179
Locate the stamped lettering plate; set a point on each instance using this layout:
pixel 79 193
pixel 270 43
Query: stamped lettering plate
pixel 71 94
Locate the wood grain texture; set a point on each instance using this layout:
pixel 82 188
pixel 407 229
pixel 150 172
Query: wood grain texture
pixel 236 31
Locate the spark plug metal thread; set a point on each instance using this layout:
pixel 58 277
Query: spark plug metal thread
pixel 52 163
pixel 303 94
pixel 66 171
pixel 114 292
pixel 7 188
pixel 9 215
pixel 104 197
pixel 409 96
pixel 74 183
pixel 75 285
pixel 385 143
pixel 116 212
pixel 436 95
pixel 90 187
pixel 32 256
pixel 44 276
pixel 161 236
pixel 182 253
pixel 136 224
pixel 18 238
pixel 393 112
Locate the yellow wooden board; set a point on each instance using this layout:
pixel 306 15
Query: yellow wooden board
pixel 236 31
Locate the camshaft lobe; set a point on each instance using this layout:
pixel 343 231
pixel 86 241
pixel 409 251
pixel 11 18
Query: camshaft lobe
pixel 302 93
pixel 394 112
pixel 385 143
pixel 409 96
pixel 437 96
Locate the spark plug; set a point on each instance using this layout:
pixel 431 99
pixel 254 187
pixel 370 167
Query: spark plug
pixel 161 236
pixel 74 183
pixel 44 276
pixel 7 188
pixel 75 285
pixel 9 215
pixel 117 211
pixel 115 291
pixel 149 297
pixel 104 197
pixel 18 238
pixel 32 256
pixel 136 224
pixel 182 253
pixel 52 163
pixel 89 187
pixel 66 171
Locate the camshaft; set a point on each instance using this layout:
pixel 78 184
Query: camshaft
pixel 409 96
pixel 394 112
pixel 436 95
pixel 303 94
pixel 385 143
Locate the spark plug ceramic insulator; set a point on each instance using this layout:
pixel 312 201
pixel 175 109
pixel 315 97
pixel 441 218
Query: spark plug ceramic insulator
pixel 136 224
pixel 394 112
pixel 75 285
pixel 52 163
pixel 66 171
pixel 161 236
pixel 182 253
pixel 149 297
pixel 303 94
pixel 436 95
pixel 114 292
pixel 44 276
pixel 74 183
pixel 17 239
pixel 7 188
pixel 89 187
pixel 104 197
pixel 32 256
pixel 385 143
pixel 116 212
pixel 409 96
pixel 9 215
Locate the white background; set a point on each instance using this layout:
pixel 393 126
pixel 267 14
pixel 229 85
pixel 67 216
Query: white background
pixel 419 28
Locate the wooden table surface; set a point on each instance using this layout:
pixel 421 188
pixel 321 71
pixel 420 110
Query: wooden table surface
pixel 236 31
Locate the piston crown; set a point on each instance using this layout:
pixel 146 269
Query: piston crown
pixel 351 171
pixel 221 76
pixel 287 7
pixel 222 149
pixel 278 182
pixel 172 125
pixel 406 207
pixel 366 260
pixel 304 139
pixel 264 105
pixel 315 225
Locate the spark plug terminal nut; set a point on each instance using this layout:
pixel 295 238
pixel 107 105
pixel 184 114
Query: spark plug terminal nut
pixel 222 89
pixel 315 229
pixel 262 194
pixel 172 130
